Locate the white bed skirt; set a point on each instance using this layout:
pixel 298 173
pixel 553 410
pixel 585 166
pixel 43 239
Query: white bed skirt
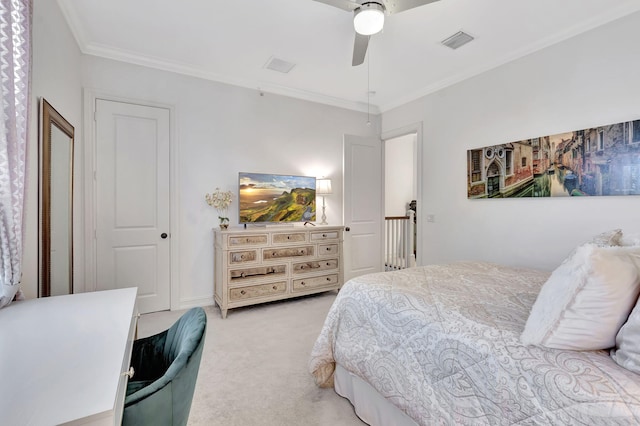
pixel 369 405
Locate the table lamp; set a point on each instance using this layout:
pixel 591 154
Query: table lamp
pixel 323 187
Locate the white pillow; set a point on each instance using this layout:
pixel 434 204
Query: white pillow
pixel 608 238
pixel 586 299
pixel 630 240
pixel 627 350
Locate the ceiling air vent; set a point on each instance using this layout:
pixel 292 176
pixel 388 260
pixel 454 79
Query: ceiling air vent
pixel 279 65
pixel 458 39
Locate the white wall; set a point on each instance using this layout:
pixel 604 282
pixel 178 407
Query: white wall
pixel 56 77
pixel 222 130
pixel 589 80
pixel 399 174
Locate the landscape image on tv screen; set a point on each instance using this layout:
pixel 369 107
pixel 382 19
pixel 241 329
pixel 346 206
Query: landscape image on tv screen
pixel 276 198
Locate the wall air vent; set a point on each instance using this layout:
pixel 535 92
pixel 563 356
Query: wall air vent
pixel 457 40
pixel 279 65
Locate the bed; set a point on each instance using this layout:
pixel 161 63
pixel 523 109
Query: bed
pixel 440 345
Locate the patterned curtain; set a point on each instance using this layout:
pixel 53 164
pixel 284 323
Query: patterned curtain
pixel 15 73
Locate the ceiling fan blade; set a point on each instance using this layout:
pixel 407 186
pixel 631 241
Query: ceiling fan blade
pixel 396 6
pixel 360 49
pixel 347 5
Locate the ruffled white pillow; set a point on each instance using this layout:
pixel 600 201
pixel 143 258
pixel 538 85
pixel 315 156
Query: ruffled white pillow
pixel 608 238
pixel 630 240
pixel 586 299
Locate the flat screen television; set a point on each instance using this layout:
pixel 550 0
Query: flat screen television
pixel 271 198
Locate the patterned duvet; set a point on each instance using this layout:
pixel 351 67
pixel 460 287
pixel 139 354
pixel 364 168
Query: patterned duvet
pixel 442 344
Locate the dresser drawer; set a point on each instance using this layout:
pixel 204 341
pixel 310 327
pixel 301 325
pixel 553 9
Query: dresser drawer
pixel 313 282
pixel 290 237
pixel 327 249
pixel 257 291
pixel 279 253
pixel 328 235
pixel 314 265
pixel 248 274
pixel 247 240
pixel 242 256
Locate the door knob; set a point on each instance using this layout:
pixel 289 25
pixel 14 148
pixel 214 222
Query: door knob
pixel 163 235
pixel 347 229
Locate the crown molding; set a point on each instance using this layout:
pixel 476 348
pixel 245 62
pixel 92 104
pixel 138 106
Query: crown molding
pixel 74 22
pixel 184 69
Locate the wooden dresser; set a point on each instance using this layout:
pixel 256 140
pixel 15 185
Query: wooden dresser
pixel 257 265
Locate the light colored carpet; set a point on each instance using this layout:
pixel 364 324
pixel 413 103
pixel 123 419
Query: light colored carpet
pixel 254 366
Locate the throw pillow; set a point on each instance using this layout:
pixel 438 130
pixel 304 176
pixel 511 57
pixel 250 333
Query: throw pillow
pixel 630 240
pixel 627 350
pixel 608 238
pixel 586 299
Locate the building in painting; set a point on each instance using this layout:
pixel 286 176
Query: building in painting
pixel 610 164
pixel 499 170
pixel 541 149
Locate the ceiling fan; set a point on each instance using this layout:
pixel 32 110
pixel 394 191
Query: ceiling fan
pixel 368 18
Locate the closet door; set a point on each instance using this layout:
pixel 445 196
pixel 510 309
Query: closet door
pixel 132 201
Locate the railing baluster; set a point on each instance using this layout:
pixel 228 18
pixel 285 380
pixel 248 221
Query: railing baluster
pixel 398 242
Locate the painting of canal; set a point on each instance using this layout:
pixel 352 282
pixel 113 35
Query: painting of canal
pixel 602 160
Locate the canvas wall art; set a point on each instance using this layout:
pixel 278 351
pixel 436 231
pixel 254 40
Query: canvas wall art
pixel 602 160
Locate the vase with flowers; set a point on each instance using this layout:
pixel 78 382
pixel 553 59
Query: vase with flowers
pixel 221 200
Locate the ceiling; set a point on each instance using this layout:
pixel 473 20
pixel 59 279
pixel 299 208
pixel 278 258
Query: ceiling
pixel 231 41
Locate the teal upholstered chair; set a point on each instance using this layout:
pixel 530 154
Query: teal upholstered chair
pixel 166 366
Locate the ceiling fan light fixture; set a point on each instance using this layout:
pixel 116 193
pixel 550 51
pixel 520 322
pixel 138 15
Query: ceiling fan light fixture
pixel 369 18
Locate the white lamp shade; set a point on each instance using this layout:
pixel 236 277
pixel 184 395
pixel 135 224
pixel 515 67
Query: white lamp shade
pixel 323 186
pixel 369 19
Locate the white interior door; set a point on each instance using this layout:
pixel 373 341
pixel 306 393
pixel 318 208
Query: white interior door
pixel 363 205
pixel 132 201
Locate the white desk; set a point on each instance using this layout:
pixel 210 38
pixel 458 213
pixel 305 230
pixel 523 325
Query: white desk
pixel 62 358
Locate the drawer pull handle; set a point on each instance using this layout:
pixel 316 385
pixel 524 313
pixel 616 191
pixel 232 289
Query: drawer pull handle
pixel 275 287
pixel 129 373
pixel 328 264
pixel 243 292
pixel 247 240
pixel 288 237
pixel 324 235
pixel 328 279
pixel 302 266
pixel 328 248
pixel 302 283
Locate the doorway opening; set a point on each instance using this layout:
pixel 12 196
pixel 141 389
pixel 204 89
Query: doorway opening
pixel 400 195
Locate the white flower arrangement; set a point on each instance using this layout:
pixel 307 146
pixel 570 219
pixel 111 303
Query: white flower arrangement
pixel 220 200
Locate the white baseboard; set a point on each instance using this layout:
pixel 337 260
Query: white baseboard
pixel 196 302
